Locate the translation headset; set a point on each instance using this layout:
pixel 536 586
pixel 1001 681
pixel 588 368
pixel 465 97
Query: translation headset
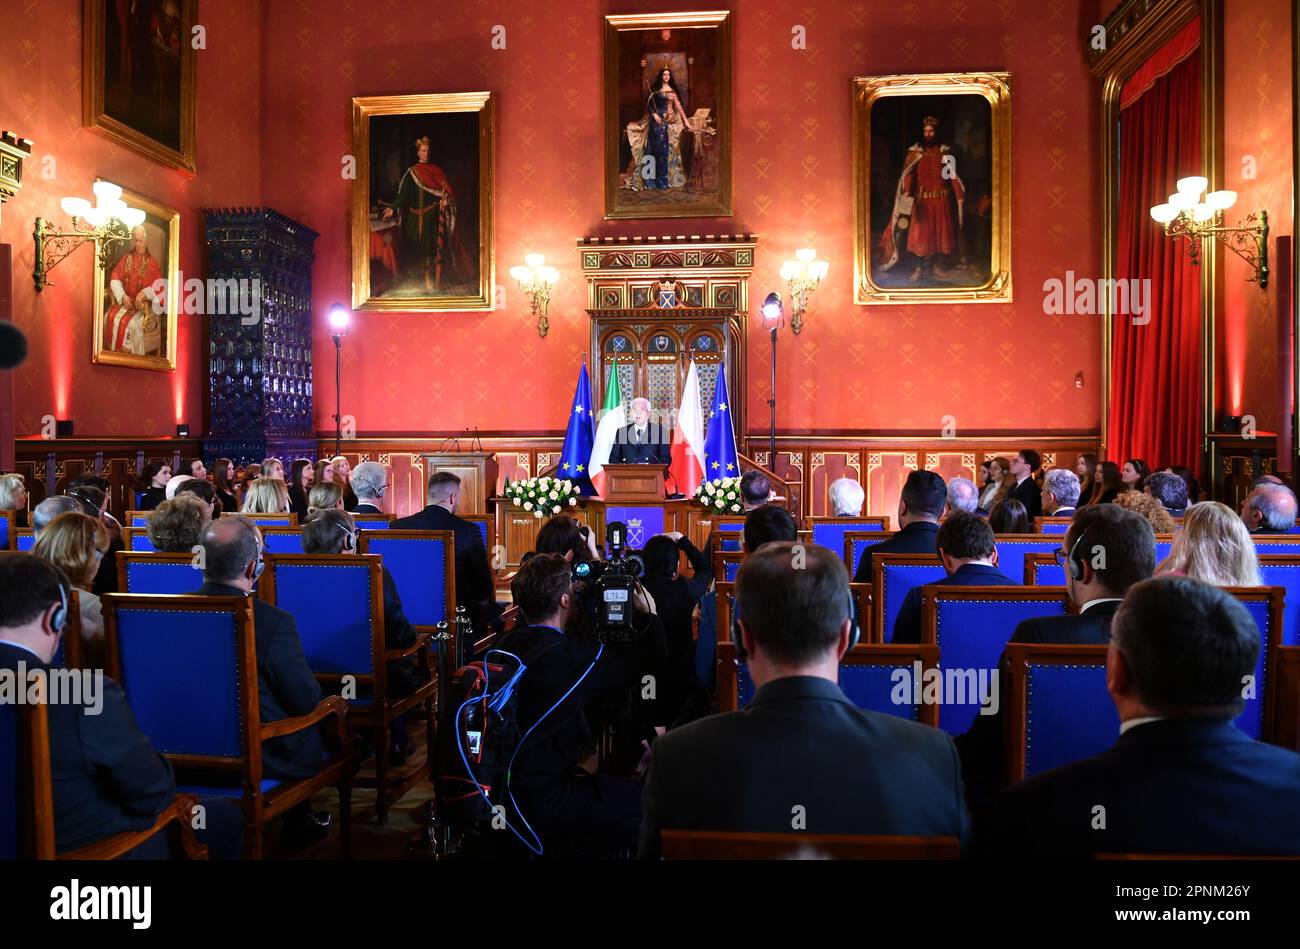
pixel 1075 567
pixel 60 617
pixel 855 630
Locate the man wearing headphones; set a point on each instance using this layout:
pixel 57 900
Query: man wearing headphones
pixel 801 757
pixel 107 778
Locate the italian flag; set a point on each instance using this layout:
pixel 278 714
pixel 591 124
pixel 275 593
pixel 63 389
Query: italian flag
pixel 612 421
pixel 687 467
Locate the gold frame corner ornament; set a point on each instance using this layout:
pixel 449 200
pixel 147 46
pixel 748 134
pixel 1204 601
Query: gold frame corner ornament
pixel 995 88
pixel 94 116
pixel 363 109
pixel 171 269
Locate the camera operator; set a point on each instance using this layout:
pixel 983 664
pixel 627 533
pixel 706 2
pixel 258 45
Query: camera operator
pixel 676 598
pixel 553 782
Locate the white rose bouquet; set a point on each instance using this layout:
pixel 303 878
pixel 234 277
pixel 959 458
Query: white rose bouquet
pixel 542 496
pixel 721 495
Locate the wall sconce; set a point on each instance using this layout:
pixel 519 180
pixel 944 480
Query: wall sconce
pixel 108 222
pixel 802 275
pixel 1187 214
pixel 536 280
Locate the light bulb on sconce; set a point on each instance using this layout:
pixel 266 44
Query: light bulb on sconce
pixel 535 278
pixel 802 277
pixel 1188 214
pixel 107 223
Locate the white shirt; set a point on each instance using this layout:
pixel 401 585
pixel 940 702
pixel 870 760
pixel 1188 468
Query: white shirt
pixel 1100 599
pixel 1135 722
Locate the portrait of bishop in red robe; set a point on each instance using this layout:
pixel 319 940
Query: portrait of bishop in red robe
pixel 130 323
pixel 927 217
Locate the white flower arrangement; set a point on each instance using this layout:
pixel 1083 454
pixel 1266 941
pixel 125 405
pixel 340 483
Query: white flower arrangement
pixel 542 496
pixel 721 495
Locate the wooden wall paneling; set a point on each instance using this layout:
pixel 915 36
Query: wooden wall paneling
pixel 825 467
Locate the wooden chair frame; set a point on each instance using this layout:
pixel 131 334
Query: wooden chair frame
pixel 882 521
pixel 1285 697
pixel 127 557
pixel 258 808
pixel 851 537
pixel 261 520
pixel 129 518
pixel 878 565
pixel 932 593
pixel 722 845
pixel 1041 522
pixel 22 532
pixel 1036 560
pixel 364 540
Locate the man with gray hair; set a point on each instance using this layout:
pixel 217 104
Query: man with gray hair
pixel 1060 492
pixel 846 497
pixel 51 508
pixel 1269 509
pixel 962 496
pixel 642 442
pixel 369 481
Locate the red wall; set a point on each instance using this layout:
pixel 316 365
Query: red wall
pixel 993 367
pixel 40 99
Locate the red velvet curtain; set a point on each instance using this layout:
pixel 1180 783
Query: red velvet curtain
pixel 1155 408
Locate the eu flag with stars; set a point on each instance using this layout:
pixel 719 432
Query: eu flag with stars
pixel 579 437
pixel 720 459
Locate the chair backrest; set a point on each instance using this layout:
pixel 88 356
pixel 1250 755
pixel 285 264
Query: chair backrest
pixel 1283 570
pixel 279 520
pixel 1276 543
pixel 893 576
pixel 282 540
pixel 423 566
pixel 486 529
pixel 1052 525
pixel 188 665
pixel 26 795
pixel 71 651
pixel 1285 702
pixel 7 530
pixel 1163 544
pixel 25 539
pixel 857 541
pixel 1042 570
pixel 1012 549
pixel 830 531
pixel 342 630
pixel 971 626
pixel 137 519
pixel 137 539
pixel 726 564
pixel 736 845
pixel 158 573
pixel 1265 605
pixel 374 522
pixel 728 525
pixel 1057 709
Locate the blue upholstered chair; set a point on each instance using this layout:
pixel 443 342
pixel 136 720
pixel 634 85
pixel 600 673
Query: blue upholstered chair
pixel 25 539
pixel 485 528
pixel 1056 708
pixel 857 541
pixel 1265 605
pixel 1284 706
pixel 971 626
pixel 158 573
pixel 1042 570
pixel 1163 543
pixel 1012 549
pixel 423 565
pixel 137 518
pixel 282 540
pixel 267 520
pixel 342 635
pixel 1283 570
pixel 136 540
pixel 1052 525
pixel 373 522
pixel 196 697
pixel 893 577
pixel 1276 543
pixel 729 528
pixel 7 530
pixel 726 564
pixel 830 531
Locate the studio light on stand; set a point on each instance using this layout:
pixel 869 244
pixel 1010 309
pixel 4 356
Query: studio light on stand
pixel 339 319
pixel 773 320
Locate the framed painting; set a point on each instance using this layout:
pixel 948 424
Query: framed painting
pixel 932 188
pixel 668 115
pixel 138 83
pixel 422 202
pixel 137 292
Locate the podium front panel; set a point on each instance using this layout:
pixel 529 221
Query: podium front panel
pixel 643 522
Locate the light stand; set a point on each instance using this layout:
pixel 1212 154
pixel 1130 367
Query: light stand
pixel 339 320
pixel 773 319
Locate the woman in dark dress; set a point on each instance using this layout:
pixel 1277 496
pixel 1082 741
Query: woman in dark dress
pixel 223 471
pixel 301 477
pixel 154 484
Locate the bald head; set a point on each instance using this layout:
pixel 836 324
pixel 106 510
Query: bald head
pixel 231 547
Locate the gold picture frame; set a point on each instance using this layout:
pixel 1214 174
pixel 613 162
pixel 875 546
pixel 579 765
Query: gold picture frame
pixel 699 182
pixel 153 85
pixel 449 123
pixel 891 115
pixel 137 329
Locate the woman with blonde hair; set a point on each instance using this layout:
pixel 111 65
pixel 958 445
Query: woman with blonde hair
pixel 1141 503
pixel 1213 547
pixel 13 497
pixel 996 487
pixel 267 496
pixel 75 543
pixel 324 496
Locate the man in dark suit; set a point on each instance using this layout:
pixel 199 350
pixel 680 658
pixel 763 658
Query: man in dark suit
pixel 642 442
pixel 1023 468
pixel 755 491
pixel 1106 551
pixel 286 687
pixel 676 598
pixel 969 553
pixel 475 589
pixel 369 482
pixel 801 756
pixel 1268 509
pixel 107 778
pixel 920 506
pixel 1060 493
pixel 1182 778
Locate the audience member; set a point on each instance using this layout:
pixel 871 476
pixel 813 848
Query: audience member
pixel 324 496
pixel 1189 479
pixel 343 475
pixel 223 479
pixel 1106 485
pixel 203 491
pixel 177 526
pixel 755 491
pixel 272 468
pixel 1010 517
pixel 75 543
pixel 250 474
pixel 801 744
pixel 154 484
pixel 846 496
pixel 1060 492
pixel 1133 476
pixel 370 481
pixel 174 482
pixel 962 496
pixel 920 506
pixel 1182 778
pixel 1024 468
pixel 1085 468
pixel 267 496
pixel 676 598
pixel 13 497
pixel 194 468
pixel 1142 503
pixel 301 478
pixel 1213 547
pixel 997 486
pixel 1269 509
pixel 51 508
pixel 107 778
pixel 969 553
pixel 1170 490
pixel 90 495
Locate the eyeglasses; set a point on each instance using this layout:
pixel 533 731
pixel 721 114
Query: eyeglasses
pixel 1062 555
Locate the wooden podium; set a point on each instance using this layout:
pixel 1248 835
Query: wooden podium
pixel 477 473
pixel 634 483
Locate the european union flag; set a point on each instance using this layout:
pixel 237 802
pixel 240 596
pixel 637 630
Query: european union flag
pixel 579 437
pixel 720 458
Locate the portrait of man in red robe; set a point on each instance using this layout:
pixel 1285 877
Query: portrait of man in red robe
pixel 928 214
pixel 131 324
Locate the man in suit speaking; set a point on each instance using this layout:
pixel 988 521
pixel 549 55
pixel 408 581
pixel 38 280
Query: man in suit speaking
pixel 642 442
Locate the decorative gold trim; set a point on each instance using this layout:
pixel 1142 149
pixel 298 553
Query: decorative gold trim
pixel 363 108
pixel 92 91
pixel 172 270
pixel 719 20
pixel 995 88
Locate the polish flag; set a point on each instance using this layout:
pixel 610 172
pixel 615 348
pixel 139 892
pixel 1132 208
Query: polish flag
pixel 687 468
